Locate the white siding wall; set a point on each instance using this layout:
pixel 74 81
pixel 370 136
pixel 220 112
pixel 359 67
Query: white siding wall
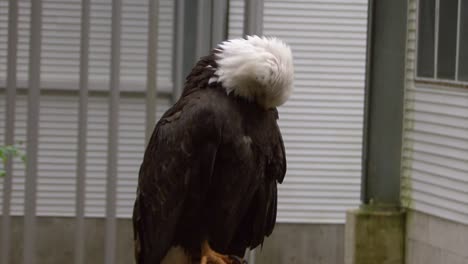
pixel 435 155
pixel 322 122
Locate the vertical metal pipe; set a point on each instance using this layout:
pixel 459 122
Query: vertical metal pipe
pixel 253 17
pixel 82 128
pixel 111 222
pixel 253 25
pixel 203 37
pixel 436 37
pixel 10 126
pixel 457 56
pixel 151 74
pixel 219 24
pixel 178 77
pixel 251 256
pixel 367 96
pixel 385 79
pixel 32 133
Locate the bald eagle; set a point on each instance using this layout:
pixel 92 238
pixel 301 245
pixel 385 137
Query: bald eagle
pixel 207 187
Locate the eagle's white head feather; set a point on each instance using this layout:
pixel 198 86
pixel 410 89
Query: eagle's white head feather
pixel 257 68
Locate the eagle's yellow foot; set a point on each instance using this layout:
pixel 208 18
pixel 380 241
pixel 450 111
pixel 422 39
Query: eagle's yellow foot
pixel 209 256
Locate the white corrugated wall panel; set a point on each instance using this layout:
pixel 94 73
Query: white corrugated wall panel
pixel 435 154
pixel 61 43
pixel 58 147
pixel 322 122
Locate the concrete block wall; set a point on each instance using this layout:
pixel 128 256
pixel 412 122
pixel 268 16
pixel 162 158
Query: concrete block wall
pixel 303 244
pixel 433 240
pixel 55 240
pixel 289 243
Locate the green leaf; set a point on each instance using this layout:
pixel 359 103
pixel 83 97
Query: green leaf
pixel 2 152
pixel 9 151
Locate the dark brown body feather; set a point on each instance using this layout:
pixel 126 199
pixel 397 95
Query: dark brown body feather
pixel 210 172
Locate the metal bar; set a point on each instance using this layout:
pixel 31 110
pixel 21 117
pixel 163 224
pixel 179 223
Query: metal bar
pixel 32 133
pixel 111 222
pixel 82 126
pixel 416 56
pixel 179 48
pixel 203 37
pixel 436 36
pixel 10 127
pixel 253 25
pixel 151 74
pixel 219 24
pixel 367 91
pixel 457 55
pixel 253 17
pixel 251 256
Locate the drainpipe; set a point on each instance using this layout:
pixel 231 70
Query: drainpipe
pixel 383 107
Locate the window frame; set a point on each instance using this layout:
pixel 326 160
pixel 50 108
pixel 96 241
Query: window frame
pixel 435 80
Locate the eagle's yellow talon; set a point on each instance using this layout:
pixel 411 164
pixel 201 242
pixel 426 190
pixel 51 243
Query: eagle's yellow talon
pixel 209 256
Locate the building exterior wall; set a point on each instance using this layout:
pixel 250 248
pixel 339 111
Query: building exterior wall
pixel 303 243
pixel 434 240
pixel 289 243
pixel 55 243
pixel 435 167
pixel 435 149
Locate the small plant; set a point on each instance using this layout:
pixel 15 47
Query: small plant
pixel 9 152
